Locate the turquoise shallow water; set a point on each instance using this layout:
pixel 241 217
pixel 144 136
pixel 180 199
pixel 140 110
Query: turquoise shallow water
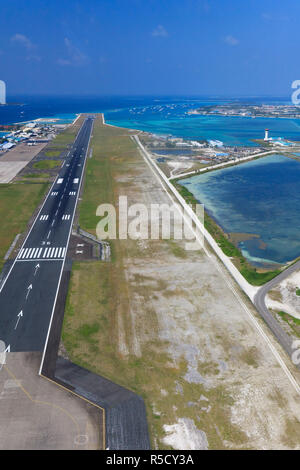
pixel 234 131
pixel 173 119
pixel 259 197
pixel 164 115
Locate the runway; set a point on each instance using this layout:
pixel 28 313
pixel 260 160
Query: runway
pixel 28 294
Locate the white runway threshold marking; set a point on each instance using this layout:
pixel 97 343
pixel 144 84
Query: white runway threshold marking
pixel 64 254
pixel 44 217
pixel 66 217
pixel 26 255
pixel 56 252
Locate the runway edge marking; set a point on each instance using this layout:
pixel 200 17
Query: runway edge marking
pixel 30 230
pixel 65 254
pixel 56 295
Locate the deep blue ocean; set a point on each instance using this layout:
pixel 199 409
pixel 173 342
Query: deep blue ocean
pixel 160 115
pixel 259 197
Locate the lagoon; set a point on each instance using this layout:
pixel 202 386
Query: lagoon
pixel 261 198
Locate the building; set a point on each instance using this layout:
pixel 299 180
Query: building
pixel 266 135
pixel 2 92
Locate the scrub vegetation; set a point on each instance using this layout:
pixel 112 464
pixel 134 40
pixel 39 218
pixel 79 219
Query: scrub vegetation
pixel 19 200
pixel 36 175
pixel 162 322
pixel 53 153
pixel 46 164
pixel 99 185
pixel 17 203
pixel 293 322
pixel 62 140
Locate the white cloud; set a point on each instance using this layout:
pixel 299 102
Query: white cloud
pixel 160 31
pixel 74 55
pixel 30 47
pixel 23 40
pixel 231 40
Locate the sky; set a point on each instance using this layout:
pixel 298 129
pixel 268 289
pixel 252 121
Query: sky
pixel 149 47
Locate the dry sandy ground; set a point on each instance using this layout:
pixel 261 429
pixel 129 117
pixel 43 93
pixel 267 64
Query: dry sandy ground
pixel 284 298
pixel 179 165
pixel 16 159
pixel 228 389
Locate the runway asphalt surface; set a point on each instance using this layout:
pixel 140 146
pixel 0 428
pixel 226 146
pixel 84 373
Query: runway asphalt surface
pixel 28 295
pixel 32 299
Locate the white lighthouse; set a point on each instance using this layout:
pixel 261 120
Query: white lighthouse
pixel 2 92
pixel 266 135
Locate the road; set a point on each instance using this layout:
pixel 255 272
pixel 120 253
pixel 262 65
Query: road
pixel 220 165
pixel 255 294
pixel 28 294
pixel 259 301
pixel 201 230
